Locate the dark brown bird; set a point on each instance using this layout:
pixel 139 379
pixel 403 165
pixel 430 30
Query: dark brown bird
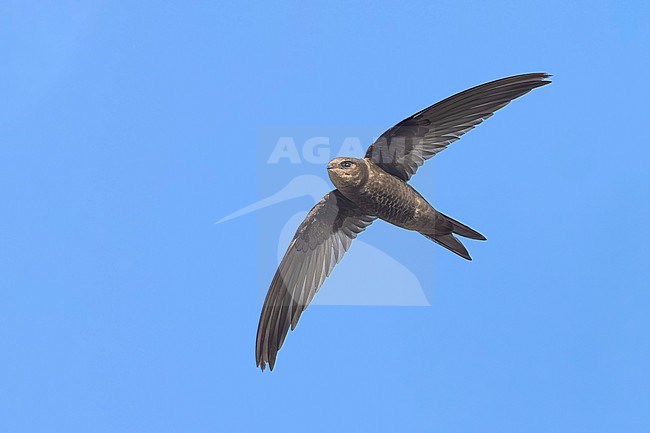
pixel 375 187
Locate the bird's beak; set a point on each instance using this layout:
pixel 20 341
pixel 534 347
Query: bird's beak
pixel 330 166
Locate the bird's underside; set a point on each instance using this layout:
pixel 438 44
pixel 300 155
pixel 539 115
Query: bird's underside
pixel 375 187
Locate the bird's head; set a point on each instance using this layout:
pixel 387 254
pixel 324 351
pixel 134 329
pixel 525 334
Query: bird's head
pixel 347 172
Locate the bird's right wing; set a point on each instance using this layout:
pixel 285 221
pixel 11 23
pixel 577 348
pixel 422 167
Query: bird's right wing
pixel 405 146
pixel 318 245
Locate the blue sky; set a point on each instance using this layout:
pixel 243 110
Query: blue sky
pixel 127 130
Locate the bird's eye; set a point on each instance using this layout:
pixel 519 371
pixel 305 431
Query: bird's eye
pixel 346 164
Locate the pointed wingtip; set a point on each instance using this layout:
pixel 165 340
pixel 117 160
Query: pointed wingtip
pixel 537 79
pixel 261 365
pixel 542 75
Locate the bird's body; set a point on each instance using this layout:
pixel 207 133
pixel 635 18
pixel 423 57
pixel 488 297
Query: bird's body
pixel 384 196
pixel 376 187
pixel 391 199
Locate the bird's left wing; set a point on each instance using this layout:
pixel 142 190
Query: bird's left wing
pixel 405 146
pixel 318 245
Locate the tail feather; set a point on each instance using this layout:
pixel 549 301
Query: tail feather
pixel 461 229
pixel 450 242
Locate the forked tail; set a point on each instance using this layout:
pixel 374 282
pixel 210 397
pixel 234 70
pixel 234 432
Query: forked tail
pixel 461 229
pixel 450 242
pixel 443 234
